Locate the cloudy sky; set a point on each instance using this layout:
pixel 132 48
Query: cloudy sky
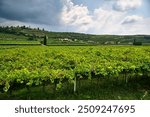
pixel 86 16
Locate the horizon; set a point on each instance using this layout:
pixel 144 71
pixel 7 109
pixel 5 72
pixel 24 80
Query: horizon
pixel 42 29
pixel 101 17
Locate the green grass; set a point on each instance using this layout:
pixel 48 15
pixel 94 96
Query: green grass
pixel 4 36
pixel 10 42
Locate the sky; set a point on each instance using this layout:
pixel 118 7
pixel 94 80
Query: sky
pixel 119 17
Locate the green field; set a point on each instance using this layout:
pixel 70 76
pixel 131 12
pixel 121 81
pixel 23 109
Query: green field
pixel 13 42
pixel 75 72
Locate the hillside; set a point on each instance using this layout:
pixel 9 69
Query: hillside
pixel 27 35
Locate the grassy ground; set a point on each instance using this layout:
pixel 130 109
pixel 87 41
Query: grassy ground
pixel 9 42
pixel 103 89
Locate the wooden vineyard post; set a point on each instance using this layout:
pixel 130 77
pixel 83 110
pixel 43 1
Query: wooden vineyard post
pixel 126 78
pixel 75 85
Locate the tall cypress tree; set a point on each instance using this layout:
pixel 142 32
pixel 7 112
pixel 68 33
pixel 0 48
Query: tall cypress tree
pixel 45 40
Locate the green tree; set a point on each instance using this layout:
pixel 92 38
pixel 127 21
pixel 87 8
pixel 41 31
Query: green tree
pixel 45 40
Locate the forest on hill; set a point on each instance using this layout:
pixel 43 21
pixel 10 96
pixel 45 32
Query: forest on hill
pixel 27 35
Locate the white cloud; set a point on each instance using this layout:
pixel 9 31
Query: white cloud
pixel 105 20
pixel 140 27
pixel 102 20
pixel 132 19
pixel 123 5
pixel 76 15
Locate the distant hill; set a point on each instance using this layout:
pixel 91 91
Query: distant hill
pixel 26 35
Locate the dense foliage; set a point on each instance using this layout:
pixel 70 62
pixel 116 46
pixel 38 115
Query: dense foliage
pixel 34 66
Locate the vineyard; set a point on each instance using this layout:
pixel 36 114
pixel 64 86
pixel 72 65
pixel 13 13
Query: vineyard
pixel 72 67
